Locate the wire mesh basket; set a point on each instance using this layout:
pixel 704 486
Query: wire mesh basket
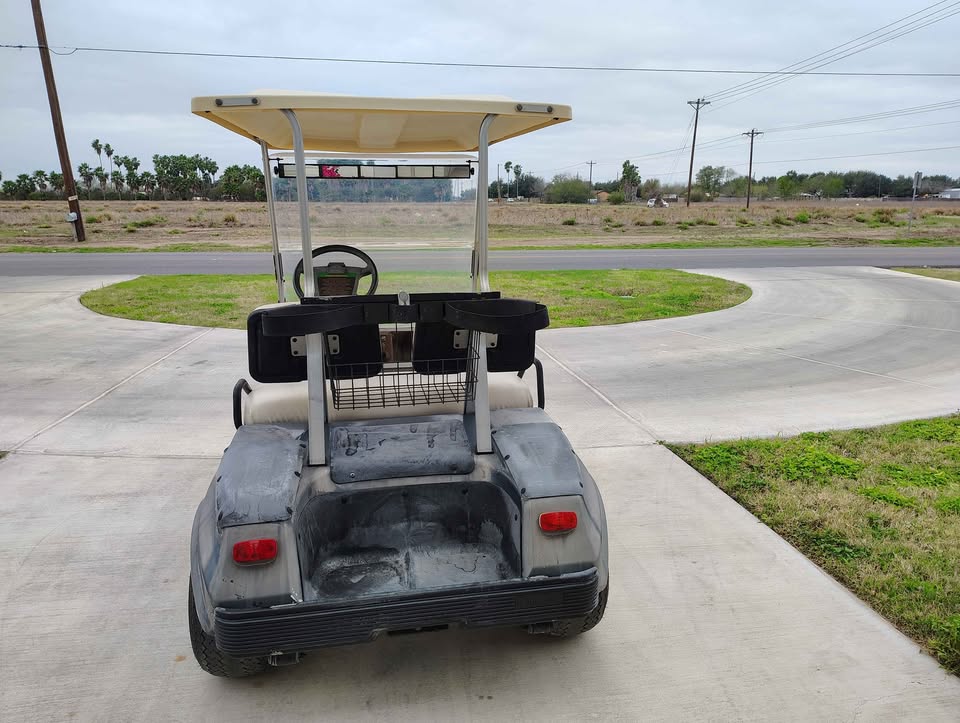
pixel 400 371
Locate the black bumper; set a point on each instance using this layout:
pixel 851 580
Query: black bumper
pixel 305 626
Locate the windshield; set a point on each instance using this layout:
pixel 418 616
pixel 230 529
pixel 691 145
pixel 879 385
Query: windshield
pixel 414 215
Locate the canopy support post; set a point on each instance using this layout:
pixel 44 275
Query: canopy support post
pixel 479 408
pixel 316 384
pixel 272 214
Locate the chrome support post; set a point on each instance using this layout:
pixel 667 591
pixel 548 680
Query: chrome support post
pixel 481 278
pixel 479 408
pixel 272 214
pixel 316 384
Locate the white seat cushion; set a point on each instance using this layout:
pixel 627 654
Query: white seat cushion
pixel 287 403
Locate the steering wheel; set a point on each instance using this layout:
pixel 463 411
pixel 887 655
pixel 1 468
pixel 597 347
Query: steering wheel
pixel 339 272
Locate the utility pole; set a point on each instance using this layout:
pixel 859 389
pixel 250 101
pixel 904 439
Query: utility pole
pixel 69 186
pixel 498 184
pixel 753 133
pixel 591 164
pixel 697 105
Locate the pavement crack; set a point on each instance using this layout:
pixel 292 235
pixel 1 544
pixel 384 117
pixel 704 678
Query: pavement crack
pixel 116 386
pixel 600 395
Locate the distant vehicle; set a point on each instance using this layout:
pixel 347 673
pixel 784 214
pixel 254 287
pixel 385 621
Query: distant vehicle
pixel 657 203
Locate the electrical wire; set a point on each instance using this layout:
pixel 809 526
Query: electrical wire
pixel 505 66
pixel 810 65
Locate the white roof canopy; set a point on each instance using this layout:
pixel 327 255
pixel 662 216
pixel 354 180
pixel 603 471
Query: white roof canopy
pixel 354 124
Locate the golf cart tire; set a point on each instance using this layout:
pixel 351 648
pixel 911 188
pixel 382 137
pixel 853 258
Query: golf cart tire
pixel 574 626
pixel 210 658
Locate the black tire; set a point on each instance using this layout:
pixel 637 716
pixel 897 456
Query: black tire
pixel 574 626
pixel 210 658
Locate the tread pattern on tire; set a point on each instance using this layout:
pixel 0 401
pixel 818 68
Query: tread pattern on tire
pixel 574 626
pixel 210 658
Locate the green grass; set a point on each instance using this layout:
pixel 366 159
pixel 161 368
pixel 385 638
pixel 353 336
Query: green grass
pixel 575 298
pixel 879 509
pixel 736 243
pixel 169 248
pixel 949 274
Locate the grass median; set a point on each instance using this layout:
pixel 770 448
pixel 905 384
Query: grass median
pixel 575 298
pixel 948 274
pixel 879 509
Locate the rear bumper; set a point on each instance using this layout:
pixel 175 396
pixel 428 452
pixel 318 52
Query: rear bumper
pixel 306 626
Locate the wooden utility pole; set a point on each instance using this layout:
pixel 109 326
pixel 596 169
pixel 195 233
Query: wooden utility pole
pixel 697 105
pixel 753 133
pixel 69 186
pixel 591 164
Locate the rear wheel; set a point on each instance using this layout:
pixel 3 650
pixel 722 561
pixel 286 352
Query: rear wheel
pixel 574 626
pixel 210 658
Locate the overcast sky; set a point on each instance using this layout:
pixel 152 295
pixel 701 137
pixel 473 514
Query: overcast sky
pixel 141 104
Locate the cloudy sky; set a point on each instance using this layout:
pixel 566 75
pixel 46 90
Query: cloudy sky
pixel 140 104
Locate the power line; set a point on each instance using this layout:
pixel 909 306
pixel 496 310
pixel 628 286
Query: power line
pixel 880 115
pixel 450 64
pixel 832 55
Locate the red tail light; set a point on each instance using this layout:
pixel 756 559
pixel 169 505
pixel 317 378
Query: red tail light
pixel 253 551
pixel 558 521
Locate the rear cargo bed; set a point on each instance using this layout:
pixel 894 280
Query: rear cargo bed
pixel 405 539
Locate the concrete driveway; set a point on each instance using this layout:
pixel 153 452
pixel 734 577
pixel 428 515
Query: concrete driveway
pixel 117 426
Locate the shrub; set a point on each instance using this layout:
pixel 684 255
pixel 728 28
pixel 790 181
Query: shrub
pixel 569 222
pixel 93 219
pixel 616 198
pixel 802 217
pixel 860 218
pixel 230 219
pixel 639 222
pixel 779 220
pixel 658 222
pixel 744 222
pixel 147 222
pixel 696 195
pixel 607 219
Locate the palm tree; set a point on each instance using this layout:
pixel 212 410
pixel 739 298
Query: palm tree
pixel 40 178
pixel 117 178
pixel 108 150
pixel 102 179
pixel 517 172
pixel 56 181
pixel 507 167
pixel 98 149
pixel 86 174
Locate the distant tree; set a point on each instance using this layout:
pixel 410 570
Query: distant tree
pixel 564 189
pixel 650 188
pixel 98 149
pixel 101 176
pixel 108 152
pixel 241 183
pixel 86 176
pixel 507 168
pixel 517 172
pixel 117 178
pixel 608 186
pixel 23 186
pixel 9 189
pixel 629 181
pixel 56 181
pixel 616 198
pixel 148 182
pixel 710 178
pixel 40 180
pixel 786 186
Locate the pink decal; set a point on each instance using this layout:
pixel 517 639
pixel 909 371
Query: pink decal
pixel 329 172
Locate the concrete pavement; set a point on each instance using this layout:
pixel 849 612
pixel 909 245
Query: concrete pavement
pixel 92 264
pixel 117 427
pixel 811 349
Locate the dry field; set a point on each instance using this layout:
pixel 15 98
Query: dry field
pixel 202 225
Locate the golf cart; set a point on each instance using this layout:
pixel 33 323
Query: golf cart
pixel 391 470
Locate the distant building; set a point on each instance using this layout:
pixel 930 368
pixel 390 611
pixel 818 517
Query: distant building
pixel 602 196
pixel 951 193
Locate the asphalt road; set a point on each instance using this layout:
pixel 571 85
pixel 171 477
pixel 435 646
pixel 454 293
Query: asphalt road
pixel 74 264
